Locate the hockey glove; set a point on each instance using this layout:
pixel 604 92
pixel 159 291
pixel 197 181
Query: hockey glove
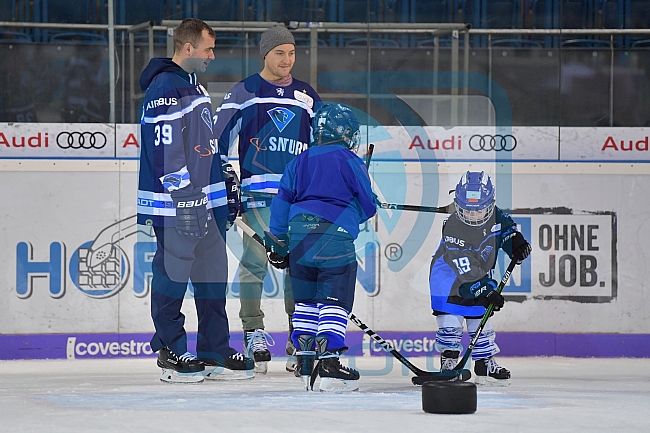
pixel 485 293
pixel 191 212
pixel 278 250
pixel 232 193
pixel 277 261
pixel 520 248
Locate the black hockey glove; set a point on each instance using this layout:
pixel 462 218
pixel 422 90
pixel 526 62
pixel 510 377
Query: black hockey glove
pixel 485 293
pixel 232 193
pixel 520 248
pixel 277 261
pixel 191 212
pixel 279 250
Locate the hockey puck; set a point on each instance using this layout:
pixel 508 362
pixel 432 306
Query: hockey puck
pixel 449 397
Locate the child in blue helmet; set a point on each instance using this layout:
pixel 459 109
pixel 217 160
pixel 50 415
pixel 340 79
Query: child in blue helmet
pixel 324 195
pixel 460 280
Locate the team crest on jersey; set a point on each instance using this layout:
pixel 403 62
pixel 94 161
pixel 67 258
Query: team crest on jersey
pixel 281 117
pixel 207 117
pixel 280 91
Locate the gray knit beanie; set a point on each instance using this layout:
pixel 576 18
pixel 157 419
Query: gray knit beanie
pixel 276 35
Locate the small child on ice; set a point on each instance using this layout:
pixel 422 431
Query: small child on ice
pixel 460 280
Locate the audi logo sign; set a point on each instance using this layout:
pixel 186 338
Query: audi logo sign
pixel 81 140
pixel 497 143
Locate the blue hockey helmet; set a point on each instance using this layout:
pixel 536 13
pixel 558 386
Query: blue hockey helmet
pixel 335 123
pixel 474 198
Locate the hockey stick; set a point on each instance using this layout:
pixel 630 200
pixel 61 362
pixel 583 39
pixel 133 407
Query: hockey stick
pixel 449 209
pixel 485 318
pixel 443 375
pixel 371 148
pixel 250 232
pixel 442 209
pixel 459 367
pixel 431 375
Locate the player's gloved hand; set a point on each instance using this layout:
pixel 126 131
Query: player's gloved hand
pixel 279 250
pixel 484 291
pixel 520 248
pixel 277 261
pixel 191 212
pixel 232 193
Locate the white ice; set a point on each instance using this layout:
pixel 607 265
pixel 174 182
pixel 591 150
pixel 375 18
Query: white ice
pixel 124 395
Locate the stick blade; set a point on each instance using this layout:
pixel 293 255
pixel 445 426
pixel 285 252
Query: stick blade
pixel 443 376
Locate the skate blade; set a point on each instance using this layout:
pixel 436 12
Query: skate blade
pixel 172 376
pixel 329 384
pixel 490 381
pixel 305 382
pixel 261 367
pixel 225 374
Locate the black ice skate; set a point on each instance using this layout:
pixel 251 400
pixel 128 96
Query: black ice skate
pixel 334 377
pixel 185 368
pixel 234 367
pixel 449 359
pixel 256 347
pixel 489 373
pixel 305 358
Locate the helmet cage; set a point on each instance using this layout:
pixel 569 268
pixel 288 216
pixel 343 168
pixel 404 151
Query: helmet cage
pixel 474 217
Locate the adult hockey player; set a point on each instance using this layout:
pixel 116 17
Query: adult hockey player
pixel 270 113
pixel 186 203
pixel 324 196
pixel 460 280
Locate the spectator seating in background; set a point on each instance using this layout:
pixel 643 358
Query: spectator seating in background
pixel 586 43
pixel 372 42
pixel 10 36
pixel 491 14
pixel 516 43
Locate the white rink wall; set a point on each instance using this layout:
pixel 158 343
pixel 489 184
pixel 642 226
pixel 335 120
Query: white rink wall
pixel 61 204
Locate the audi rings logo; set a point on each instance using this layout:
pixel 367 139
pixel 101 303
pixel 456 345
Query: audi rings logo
pixel 81 140
pixel 493 142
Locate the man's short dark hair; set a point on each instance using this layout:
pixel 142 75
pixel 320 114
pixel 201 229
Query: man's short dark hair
pixel 190 30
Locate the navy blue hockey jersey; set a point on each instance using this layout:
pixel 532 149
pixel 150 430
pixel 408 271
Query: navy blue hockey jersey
pixel 273 124
pixel 308 186
pixel 177 143
pixel 465 255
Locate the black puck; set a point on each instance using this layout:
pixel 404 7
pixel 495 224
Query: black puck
pixel 449 397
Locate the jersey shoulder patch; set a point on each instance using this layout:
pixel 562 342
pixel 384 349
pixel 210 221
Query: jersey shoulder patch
pixel 304 97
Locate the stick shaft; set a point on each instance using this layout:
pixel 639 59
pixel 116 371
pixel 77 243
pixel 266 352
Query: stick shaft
pixel 383 343
pixel 250 232
pixel 371 148
pixel 442 209
pixel 387 347
pixel 486 316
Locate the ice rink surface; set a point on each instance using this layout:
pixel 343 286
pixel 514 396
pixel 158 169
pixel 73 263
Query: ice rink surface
pixel 125 395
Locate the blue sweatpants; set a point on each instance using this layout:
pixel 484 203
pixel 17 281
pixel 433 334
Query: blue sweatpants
pixel 179 259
